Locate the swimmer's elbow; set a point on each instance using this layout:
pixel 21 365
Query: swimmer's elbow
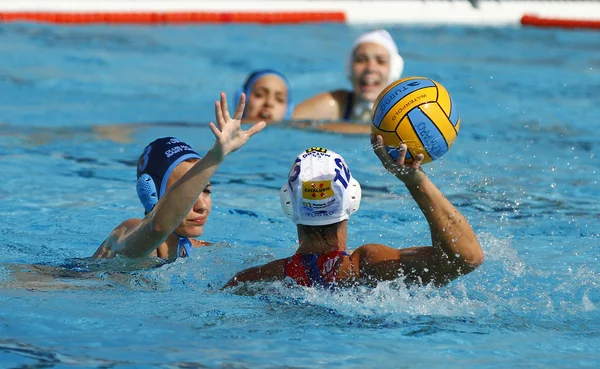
pixel 236 280
pixel 232 283
pixel 158 227
pixel 472 261
pixel 477 256
pixel 478 260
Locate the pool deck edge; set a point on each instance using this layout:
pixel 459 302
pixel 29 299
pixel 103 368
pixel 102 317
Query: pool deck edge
pixel 569 14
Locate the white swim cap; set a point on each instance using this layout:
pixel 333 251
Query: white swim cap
pixel 383 38
pixel 320 189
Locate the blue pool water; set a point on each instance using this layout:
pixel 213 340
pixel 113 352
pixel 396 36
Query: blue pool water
pixel 78 104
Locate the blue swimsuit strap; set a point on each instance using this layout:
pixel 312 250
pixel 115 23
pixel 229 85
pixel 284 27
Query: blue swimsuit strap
pixel 309 261
pixel 184 243
pixel 349 106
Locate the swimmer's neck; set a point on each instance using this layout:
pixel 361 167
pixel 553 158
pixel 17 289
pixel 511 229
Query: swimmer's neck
pixel 311 241
pixel 168 249
pixel 361 109
pixel 357 100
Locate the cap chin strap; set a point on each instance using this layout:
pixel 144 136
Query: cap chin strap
pixel 396 68
pixel 355 195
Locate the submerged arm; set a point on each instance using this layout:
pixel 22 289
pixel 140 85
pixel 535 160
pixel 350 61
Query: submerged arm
pixel 269 272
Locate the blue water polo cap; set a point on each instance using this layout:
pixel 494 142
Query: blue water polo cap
pixel 156 164
pixel 255 76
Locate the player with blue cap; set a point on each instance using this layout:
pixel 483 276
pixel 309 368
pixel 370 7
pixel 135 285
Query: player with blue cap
pixel 269 96
pixel 173 186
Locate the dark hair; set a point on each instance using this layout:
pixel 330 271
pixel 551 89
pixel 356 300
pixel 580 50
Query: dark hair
pixel 327 232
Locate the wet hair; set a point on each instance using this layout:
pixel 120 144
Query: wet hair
pixel 329 232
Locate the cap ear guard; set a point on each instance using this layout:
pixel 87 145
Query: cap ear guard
pixel 286 201
pixel 355 193
pixel 396 67
pixel 146 191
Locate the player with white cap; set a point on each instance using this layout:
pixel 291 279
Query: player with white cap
pixel 372 64
pixel 321 194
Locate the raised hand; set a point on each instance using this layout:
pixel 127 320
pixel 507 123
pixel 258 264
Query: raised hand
pixel 409 174
pixel 229 133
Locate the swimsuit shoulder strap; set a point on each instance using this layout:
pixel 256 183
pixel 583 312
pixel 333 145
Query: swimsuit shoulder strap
pixel 311 265
pixel 184 247
pixel 349 106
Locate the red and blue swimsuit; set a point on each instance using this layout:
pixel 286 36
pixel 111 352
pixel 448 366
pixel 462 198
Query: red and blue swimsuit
pixel 314 269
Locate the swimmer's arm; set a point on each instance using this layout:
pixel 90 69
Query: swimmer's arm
pixel 455 250
pixel 344 128
pixel 419 265
pixel 324 106
pixel 107 248
pixel 272 271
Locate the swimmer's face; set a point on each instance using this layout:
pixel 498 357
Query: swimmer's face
pixel 193 224
pixel 268 99
pixel 370 70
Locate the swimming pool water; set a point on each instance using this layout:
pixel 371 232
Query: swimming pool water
pixel 78 104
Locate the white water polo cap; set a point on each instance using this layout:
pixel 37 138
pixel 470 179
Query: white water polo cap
pixel 320 189
pixel 383 38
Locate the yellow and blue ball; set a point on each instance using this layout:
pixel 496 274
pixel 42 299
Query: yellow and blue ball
pixel 419 112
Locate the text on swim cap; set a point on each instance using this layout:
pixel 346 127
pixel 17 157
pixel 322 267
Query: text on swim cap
pixel 317 190
pixel 177 149
pixel 345 178
pixel 294 173
pixel 317 149
pixel 319 205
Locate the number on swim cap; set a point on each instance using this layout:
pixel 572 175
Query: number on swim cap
pixel 317 149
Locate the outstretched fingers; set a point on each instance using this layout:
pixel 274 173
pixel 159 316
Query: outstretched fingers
pixel 239 110
pixel 257 127
pixel 219 115
pixel 224 107
pixel 215 130
pixel 222 111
